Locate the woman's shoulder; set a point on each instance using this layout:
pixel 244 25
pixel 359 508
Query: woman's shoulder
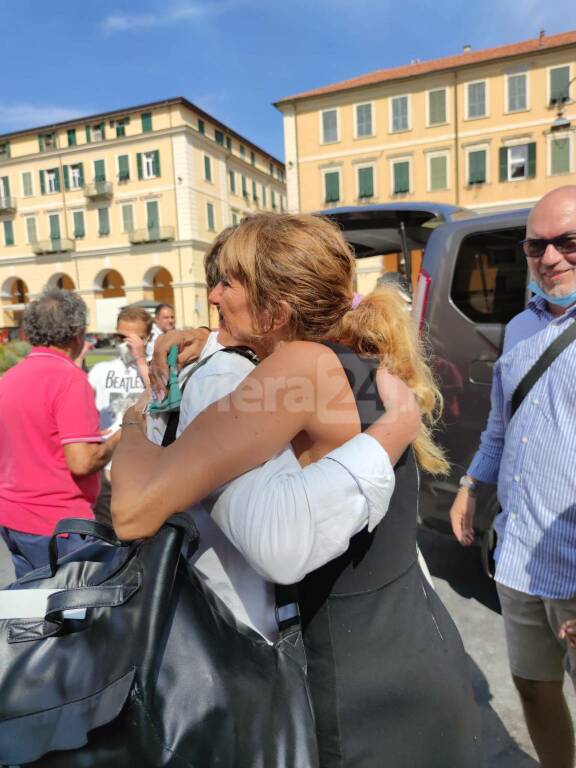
pixel 302 354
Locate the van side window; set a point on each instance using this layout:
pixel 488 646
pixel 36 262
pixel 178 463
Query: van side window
pixel 489 284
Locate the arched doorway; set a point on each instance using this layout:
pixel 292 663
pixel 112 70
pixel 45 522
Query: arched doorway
pixel 111 297
pixel 158 286
pixel 62 281
pixel 14 297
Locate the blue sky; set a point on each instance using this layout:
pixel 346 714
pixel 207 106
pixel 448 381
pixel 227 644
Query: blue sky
pixel 233 58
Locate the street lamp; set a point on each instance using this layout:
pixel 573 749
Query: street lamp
pixel 561 123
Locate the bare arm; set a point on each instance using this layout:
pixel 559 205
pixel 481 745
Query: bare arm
pixel 236 434
pixel 86 458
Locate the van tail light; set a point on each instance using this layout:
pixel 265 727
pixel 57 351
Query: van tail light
pixel 420 301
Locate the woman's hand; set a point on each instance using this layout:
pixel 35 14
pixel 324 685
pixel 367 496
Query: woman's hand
pixel 400 425
pixel 190 344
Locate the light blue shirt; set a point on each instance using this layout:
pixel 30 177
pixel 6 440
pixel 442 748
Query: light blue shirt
pixel 533 459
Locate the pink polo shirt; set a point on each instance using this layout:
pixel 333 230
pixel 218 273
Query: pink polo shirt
pixel 45 403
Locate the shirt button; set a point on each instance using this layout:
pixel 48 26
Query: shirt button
pixel 535 401
pixel 513 515
pixel 516 478
pixel 524 439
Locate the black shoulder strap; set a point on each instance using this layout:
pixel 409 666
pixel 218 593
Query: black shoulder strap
pixel 174 417
pixel 541 365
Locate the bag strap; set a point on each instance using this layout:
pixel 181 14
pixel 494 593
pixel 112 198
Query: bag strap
pixel 83 527
pixel 541 365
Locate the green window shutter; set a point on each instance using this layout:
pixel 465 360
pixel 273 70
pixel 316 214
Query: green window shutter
pixel 437 107
pixel 253 158
pixel 477 167
pixel 123 168
pixel 232 177
pixel 79 230
pixel 139 165
pixel 207 168
pixel 99 170
pixel 210 216
pixel 365 182
pixel 201 126
pixel 31 229
pixel 88 134
pixel 103 222
pixel 41 143
pixel 532 160
pixel 273 199
pixel 559 84
pixel 27 183
pixel 401 178
pixel 503 163
pixel 560 155
pixel 146 122
pixel 54 227
pixel 219 137
pixel 43 182
pixel 244 185
pixel 332 187
pixel 71 137
pixel 127 218
pixel 5 186
pixel 81 170
pixel 264 201
pixel 57 186
pixel 156 163
pixel 152 215
pixel 8 233
pixel 102 127
pixel 254 191
pixel 228 143
pixel 66 178
pixel 438 173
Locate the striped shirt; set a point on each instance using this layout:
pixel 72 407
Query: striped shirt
pixel 533 459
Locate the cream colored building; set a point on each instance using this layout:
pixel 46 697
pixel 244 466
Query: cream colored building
pixel 487 130
pixel 122 206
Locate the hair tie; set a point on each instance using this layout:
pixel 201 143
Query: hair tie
pixel 356 299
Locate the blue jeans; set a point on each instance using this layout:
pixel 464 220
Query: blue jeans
pixel 30 551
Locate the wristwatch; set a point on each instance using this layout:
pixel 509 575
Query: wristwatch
pixel 467 482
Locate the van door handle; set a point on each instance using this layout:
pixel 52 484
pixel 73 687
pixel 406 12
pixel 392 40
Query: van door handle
pixel 480 371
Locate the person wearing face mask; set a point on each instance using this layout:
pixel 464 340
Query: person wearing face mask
pixel 530 454
pixel 119 383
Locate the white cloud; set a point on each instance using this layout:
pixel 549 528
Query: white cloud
pixel 16 117
pixel 190 11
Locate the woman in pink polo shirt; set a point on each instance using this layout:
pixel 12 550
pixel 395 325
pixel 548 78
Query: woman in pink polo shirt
pixel 51 448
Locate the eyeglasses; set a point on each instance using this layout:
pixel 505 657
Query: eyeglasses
pixel 535 247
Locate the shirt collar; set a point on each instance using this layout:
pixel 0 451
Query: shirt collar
pixel 539 306
pixel 50 352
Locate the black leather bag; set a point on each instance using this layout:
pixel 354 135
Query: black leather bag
pixel 158 673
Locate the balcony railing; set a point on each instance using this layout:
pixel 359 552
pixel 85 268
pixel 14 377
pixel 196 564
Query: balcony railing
pixel 151 235
pixel 54 245
pixel 98 189
pixel 7 204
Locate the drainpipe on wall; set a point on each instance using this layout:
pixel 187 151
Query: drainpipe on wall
pixel 456 142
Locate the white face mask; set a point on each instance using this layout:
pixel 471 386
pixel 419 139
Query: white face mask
pixel 125 353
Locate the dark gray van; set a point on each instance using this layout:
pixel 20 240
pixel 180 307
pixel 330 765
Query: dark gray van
pixel 472 280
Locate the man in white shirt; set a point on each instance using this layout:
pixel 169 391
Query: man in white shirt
pixel 164 321
pixel 118 383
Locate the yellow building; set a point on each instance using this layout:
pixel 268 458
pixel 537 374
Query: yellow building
pixel 487 130
pixel 122 206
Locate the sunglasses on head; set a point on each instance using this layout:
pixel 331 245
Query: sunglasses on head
pixel 535 247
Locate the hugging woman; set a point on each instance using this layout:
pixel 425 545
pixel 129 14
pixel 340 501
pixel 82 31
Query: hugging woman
pixel 387 671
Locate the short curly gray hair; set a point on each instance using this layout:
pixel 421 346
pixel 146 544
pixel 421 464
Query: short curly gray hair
pixel 55 318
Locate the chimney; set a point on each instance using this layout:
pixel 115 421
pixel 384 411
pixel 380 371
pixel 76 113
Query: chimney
pixel 541 36
pixel 467 48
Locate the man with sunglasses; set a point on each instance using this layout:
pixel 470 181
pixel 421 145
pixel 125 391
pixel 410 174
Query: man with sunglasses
pixel 119 383
pixel 532 458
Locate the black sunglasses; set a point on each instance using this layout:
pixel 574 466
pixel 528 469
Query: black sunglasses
pixel 535 247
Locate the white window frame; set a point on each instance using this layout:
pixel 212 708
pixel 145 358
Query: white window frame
pixel 372 119
pixel 549 77
pixel 127 205
pixel 335 169
pixel 435 90
pixel 32 193
pixel 391 99
pixel 486 99
pixel 72 169
pixel 35 220
pixel 50 178
pixel 404 159
pixel 561 135
pixel 429 156
pixel 94 134
pixel 509 165
pixel 321 126
pixel 357 168
pixel 507 110
pixel 148 165
pixel 477 148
